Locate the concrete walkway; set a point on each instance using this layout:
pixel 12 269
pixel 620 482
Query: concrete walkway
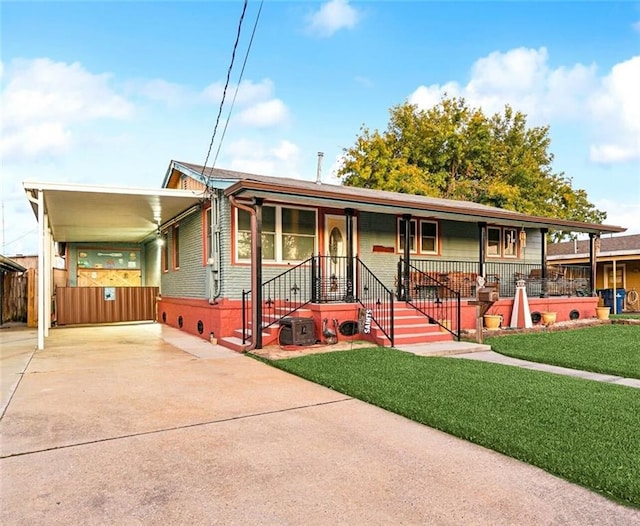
pixel 475 351
pixel 142 424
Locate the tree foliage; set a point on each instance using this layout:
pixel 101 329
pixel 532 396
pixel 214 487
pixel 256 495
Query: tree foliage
pixel 456 152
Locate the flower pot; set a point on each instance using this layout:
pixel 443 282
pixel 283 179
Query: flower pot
pixel 444 325
pixel 549 318
pixel 492 321
pixel 603 313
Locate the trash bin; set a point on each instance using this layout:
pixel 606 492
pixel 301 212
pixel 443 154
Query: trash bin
pixel 607 297
pixel 620 294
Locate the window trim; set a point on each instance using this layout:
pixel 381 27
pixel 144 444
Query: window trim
pixel 515 242
pixel 501 246
pixel 416 248
pixel 175 246
pixel 278 235
pixel 165 252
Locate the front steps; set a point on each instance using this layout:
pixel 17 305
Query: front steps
pixel 411 327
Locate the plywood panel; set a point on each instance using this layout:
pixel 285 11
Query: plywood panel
pixel 109 278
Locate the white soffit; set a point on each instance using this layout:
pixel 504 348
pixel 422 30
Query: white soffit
pixel 79 213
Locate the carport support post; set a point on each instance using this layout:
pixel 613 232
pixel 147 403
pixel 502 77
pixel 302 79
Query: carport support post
pixel 41 242
pixel 349 220
pixel 406 223
pixel 592 263
pixel 543 262
pixel 256 263
pixel 482 231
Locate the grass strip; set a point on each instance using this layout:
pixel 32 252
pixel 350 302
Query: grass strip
pixel 608 349
pixel 583 431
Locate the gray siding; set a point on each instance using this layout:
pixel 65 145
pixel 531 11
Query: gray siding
pixel 190 279
pixel 459 242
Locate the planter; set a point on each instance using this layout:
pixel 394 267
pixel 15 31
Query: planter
pixel 445 324
pixel 492 321
pixel 549 318
pixel 602 313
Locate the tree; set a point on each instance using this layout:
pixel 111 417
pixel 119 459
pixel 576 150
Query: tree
pixel 456 152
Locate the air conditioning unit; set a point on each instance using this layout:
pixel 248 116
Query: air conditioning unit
pixel 297 331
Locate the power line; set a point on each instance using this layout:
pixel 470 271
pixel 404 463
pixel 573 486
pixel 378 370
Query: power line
pixel 224 92
pixel 244 63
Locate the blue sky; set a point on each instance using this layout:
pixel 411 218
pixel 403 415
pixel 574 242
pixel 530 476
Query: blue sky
pixel 110 92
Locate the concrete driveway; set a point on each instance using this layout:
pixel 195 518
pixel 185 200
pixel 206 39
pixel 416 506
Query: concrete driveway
pixel 142 424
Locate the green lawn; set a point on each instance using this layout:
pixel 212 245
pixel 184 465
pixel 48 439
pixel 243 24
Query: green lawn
pixel 609 349
pixel 626 316
pixel 584 431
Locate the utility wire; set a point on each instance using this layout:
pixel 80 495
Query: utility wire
pixel 224 92
pixel 235 95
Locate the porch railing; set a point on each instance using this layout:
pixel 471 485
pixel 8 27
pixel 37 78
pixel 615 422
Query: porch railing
pixel 321 279
pixel 282 295
pixel 432 295
pixel 375 298
pixel 560 280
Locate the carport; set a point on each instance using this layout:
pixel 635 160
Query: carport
pixel 70 213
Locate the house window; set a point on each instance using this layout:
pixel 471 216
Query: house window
pixel 165 252
pixel 402 236
pixel 510 243
pixel 288 234
pixel 428 237
pixel 494 241
pixel 176 247
pixel 426 243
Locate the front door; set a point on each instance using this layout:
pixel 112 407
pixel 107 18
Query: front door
pixel 335 251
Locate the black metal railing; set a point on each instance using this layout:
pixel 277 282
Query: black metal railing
pixel 431 295
pixel 376 299
pixel 281 295
pixel 333 280
pixel 560 280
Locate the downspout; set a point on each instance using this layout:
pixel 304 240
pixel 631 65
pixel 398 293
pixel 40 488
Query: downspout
pixel 214 259
pixel 256 269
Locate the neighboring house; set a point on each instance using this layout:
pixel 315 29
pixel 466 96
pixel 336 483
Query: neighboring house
pixel 335 252
pixel 228 251
pixel 618 264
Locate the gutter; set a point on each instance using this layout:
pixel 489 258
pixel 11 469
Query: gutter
pixel 323 192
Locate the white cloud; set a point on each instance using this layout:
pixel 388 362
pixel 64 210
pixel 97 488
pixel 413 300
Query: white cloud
pixel 42 100
pixel 615 107
pixel 264 114
pixel 636 26
pixel 333 16
pixel 607 106
pixel 255 156
pixel 621 214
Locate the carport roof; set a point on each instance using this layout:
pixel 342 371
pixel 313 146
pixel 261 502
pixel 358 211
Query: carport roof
pixel 84 213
